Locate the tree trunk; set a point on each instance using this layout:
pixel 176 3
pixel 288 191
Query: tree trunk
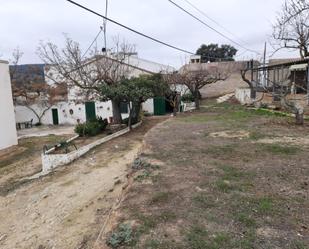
pixel 299 118
pixel 252 93
pixel 117 119
pixel 130 117
pixel 175 111
pixel 197 100
pixel 136 108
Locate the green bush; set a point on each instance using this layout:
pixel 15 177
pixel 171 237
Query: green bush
pixel 91 128
pixel 133 121
pixel 187 97
pixel 122 236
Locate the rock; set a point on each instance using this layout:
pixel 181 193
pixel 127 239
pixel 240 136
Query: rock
pixel 3 237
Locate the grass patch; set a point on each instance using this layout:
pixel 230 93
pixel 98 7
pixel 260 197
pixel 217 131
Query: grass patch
pixel 231 173
pixel 160 198
pixel 196 119
pixel 299 245
pixel 220 151
pixel 224 186
pixel 255 135
pixel 279 149
pixel 245 219
pixel 265 205
pixel 203 201
pixel 198 238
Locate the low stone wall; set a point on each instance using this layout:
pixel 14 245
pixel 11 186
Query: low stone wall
pixel 49 162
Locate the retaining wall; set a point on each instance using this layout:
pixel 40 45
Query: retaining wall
pixel 52 161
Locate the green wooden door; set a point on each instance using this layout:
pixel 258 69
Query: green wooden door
pixel 159 106
pixel 55 116
pixel 90 111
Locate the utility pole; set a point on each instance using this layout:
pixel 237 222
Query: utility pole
pixel 264 66
pixel 104 50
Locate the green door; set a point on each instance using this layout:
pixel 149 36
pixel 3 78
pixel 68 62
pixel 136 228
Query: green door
pixel 55 116
pixel 159 106
pixel 90 111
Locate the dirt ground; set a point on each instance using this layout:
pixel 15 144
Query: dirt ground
pixel 68 208
pixel 217 182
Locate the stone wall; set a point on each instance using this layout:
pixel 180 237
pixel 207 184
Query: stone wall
pixel 52 161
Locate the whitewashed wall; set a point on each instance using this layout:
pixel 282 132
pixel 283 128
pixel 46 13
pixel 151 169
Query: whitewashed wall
pixel 148 106
pixel 243 95
pixel 8 135
pixel 103 109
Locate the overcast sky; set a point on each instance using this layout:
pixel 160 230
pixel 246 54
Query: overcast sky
pixel 23 23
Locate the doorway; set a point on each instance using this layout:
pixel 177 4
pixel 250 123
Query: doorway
pixel 55 116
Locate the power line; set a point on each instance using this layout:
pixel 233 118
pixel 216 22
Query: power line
pixel 95 39
pixel 128 28
pixel 210 27
pixel 211 19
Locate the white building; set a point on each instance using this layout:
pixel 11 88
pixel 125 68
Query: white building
pixel 76 110
pixel 8 135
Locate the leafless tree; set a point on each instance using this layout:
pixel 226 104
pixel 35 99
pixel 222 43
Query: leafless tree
pixel 30 90
pixel 284 92
pixel 198 77
pixel 291 30
pixel 87 75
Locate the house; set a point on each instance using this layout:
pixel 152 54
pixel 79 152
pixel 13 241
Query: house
pixel 80 107
pixel 222 87
pixel 278 77
pixel 8 135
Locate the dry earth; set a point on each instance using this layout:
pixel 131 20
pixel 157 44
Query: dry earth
pixel 220 184
pixel 67 208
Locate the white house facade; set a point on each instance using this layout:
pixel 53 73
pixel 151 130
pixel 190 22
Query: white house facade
pixel 8 135
pixel 76 110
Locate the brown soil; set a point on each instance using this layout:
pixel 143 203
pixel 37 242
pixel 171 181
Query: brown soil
pixel 68 208
pixel 221 192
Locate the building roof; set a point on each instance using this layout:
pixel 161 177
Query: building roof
pixel 227 66
pixel 283 63
pixel 4 62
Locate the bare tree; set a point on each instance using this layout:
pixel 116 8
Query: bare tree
pixel 30 90
pixel 198 77
pixel 88 75
pixel 291 30
pixel 283 91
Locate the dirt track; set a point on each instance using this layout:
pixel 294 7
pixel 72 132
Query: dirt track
pixel 67 209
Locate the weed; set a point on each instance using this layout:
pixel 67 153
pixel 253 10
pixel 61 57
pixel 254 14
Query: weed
pixel 147 223
pixel 255 135
pixel 198 238
pixel 220 151
pixel 122 236
pixel 203 201
pixel 231 173
pixel 146 174
pixel 279 149
pixel 265 205
pixel 299 245
pixel 161 197
pixel 167 216
pixel 245 219
pixel 224 186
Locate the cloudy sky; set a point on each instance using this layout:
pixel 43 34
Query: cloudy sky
pixel 24 23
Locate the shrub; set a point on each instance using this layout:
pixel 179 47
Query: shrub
pixel 122 236
pixel 133 121
pixel 91 128
pixel 187 97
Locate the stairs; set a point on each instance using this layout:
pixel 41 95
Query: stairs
pixel 225 98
